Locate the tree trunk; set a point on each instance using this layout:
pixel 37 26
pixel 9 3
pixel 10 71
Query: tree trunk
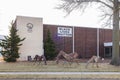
pixel 115 52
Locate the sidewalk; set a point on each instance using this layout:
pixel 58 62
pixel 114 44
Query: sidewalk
pixel 60 73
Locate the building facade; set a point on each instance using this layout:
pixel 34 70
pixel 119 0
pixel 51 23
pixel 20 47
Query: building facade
pixel 30 28
pixel 84 41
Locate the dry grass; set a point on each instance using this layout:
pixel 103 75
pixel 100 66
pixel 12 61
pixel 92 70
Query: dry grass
pixel 53 67
pixel 61 76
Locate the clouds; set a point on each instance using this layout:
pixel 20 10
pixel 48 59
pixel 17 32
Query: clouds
pixel 9 9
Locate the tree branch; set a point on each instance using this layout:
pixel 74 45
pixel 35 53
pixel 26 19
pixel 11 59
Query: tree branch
pixel 106 4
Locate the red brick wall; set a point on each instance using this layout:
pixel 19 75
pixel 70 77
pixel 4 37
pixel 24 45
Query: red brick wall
pixel 85 40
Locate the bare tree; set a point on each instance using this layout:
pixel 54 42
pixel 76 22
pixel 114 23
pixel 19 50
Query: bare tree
pixel 116 52
pixel 110 13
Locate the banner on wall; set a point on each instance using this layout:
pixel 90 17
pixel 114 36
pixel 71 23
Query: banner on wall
pixel 64 32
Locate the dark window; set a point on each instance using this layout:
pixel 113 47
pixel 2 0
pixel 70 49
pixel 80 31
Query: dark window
pixel 108 52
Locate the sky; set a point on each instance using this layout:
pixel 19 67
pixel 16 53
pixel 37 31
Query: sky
pixel 45 9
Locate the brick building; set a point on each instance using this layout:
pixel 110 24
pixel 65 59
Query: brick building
pixel 85 40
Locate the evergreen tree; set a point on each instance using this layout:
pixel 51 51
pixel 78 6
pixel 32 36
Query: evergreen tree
pixel 11 45
pixel 49 47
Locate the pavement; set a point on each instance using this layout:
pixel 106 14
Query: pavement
pixel 59 73
pixel 62 79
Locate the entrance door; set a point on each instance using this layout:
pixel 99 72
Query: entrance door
pixel 108 52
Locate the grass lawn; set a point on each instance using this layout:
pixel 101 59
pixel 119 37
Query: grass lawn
pixel 53 67
pixel 60 76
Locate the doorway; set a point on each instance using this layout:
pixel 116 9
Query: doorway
pixel 108 52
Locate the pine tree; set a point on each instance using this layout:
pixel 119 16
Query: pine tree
pixel 11 45
pixel 49 47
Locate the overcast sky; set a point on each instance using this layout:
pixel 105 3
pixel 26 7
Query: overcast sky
pixel 45 9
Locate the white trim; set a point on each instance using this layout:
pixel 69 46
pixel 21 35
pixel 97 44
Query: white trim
pixel 97 41
pixel 73 41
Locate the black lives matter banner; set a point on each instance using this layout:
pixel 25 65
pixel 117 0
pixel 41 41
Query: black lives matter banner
pixel 64 32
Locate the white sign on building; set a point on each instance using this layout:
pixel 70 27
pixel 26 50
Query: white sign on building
pixel 64 32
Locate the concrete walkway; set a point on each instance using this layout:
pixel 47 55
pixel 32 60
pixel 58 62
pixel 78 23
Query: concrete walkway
pixel 62 79
pixel 59 73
